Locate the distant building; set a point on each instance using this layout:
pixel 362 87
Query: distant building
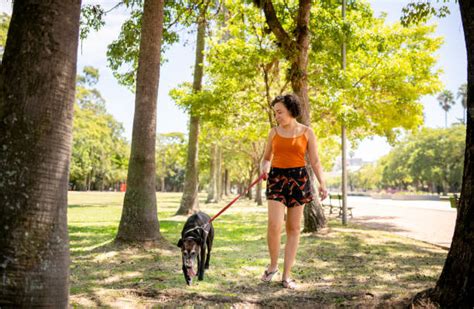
pixel 353 164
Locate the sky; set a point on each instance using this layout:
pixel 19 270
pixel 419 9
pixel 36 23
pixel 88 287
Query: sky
pixel 180 60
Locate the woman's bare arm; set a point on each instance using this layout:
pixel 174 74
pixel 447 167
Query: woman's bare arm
pixel 268 155
pixel 316 163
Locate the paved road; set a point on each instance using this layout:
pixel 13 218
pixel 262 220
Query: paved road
pixel 430 221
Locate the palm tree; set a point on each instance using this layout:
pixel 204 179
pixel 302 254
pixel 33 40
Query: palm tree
pixel 37 88
pixel 139 221
pixel 462 93
pixel 446 101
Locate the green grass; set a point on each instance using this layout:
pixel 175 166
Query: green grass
pixel 344 265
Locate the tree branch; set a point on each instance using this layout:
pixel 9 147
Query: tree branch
pixel 368 74
pixel 302 22
pixel 276 27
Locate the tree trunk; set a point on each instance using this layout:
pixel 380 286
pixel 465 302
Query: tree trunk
pixel 211 194
pixel 139 221
pixel 258 190
pixel 455 286
pixel 37 82
pixel 88 183
pixel 266 69
pixel 226 182
pixel 190 201
pixel 445 185
pixel 219 174
pixel 249 181
pixel 258 193
pixel 163 177
pixel 314 218
pixel 296 52
pixel 456 283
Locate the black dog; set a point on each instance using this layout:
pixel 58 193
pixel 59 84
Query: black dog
pixel 196 238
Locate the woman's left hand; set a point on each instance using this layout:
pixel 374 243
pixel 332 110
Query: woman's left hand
pixel 323 192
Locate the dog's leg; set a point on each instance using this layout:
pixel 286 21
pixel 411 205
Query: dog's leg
pixel 209 248
pixel 206 265
pixel 186 277
pixel 201 261
pixel 199 255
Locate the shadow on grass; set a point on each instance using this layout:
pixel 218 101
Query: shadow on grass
pixel 82 238
pixel 351 261
pixel 348 266
pixel 91 205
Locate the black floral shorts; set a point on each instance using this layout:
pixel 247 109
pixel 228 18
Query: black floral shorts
pixel 291 186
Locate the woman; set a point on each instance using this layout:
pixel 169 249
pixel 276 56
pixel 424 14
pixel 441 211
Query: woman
pixel 288 183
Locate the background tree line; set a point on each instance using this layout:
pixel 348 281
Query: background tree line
pixel 100 152
pixel 429 160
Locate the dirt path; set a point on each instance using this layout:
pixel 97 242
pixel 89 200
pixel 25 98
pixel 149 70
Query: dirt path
pixel 430 221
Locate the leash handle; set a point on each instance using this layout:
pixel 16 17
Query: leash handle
pixel 237 197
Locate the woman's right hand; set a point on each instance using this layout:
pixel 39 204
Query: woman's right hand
pixel 323 192
pixel 265 168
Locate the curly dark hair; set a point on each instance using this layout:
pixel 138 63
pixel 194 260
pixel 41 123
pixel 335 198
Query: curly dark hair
pixel 291 102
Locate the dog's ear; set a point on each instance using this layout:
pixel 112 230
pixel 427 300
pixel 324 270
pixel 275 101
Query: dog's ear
pixel 180 243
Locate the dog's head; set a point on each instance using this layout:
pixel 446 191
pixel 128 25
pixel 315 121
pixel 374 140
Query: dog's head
pixel 190 248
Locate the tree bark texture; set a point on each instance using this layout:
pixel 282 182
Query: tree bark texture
pixel 139 221
pixel 226 182
pixel 37 88
pixel 211 194
pixel 219 174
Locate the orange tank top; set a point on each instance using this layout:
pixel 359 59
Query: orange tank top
pixel 289 152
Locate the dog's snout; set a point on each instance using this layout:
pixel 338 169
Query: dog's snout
pixel 189 257
pixel 190 254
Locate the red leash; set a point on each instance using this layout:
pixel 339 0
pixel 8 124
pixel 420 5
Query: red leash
pixel 235 199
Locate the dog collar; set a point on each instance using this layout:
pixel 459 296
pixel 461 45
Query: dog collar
pixel 196 228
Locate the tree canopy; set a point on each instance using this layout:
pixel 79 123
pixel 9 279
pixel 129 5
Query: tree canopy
pixel 100 152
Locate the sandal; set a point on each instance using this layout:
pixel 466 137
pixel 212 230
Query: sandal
pixel 289 284
pixel 268 275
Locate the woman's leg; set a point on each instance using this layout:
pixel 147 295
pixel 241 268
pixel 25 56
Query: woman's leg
pixel 276 213
pixel 293 226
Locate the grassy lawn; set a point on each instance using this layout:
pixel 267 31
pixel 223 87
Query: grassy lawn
pixel 341 266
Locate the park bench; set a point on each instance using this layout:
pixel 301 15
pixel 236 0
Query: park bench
pixel 338 206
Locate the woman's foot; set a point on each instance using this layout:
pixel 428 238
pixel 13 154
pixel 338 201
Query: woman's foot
pixel 268 275
pixel 289 284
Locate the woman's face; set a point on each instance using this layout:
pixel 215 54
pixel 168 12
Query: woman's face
pixel 282 115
